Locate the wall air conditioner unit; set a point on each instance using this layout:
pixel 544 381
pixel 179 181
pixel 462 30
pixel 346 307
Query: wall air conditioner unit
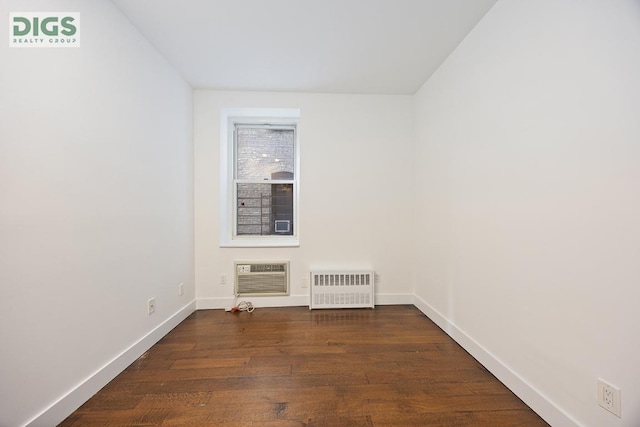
pixel 261 278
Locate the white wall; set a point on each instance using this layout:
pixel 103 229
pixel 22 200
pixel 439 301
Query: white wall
pixel 95 209
pixel 528 201
pixel 355 192
pixel 524 190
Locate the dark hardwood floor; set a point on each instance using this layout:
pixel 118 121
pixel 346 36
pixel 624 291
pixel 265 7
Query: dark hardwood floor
pixel 291 367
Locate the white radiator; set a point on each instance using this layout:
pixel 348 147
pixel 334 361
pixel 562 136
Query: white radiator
pixel 342 289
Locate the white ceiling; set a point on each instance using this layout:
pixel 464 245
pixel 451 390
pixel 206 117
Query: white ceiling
pixel 330 46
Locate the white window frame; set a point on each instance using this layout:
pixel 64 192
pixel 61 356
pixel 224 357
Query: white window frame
pixel 228 118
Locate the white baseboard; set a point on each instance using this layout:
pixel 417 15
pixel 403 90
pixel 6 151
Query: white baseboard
pixel 394 299
pixel 292 301
pixel 65 406
pixel 286 301
pixel 528 394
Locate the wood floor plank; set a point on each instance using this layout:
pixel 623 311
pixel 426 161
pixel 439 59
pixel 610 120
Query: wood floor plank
pixel 291 367
pixel 210 362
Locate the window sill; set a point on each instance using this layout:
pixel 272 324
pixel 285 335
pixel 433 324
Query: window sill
pixel 261 243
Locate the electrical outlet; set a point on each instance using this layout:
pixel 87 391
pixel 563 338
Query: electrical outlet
pixel 151 305
pixel 609 397
pixel 181 289
pixel 223 279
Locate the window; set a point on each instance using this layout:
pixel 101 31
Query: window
pixel 261 185
pixel 264 179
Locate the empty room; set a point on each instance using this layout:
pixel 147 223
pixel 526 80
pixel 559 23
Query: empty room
pixel 320 213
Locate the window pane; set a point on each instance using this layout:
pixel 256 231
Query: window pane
pixel 265 209
pixel 264 153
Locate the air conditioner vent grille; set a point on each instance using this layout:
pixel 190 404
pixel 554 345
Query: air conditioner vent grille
pixel 257 268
